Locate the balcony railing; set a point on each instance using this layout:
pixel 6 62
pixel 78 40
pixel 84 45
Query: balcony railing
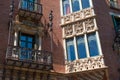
pixel 114 4
pixel 30 6
pixel 29 55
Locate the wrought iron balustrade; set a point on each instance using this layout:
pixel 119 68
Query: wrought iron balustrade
pixel 114 4
pixel 29 55
pixel 30 6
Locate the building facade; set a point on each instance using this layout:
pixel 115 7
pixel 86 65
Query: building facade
pixel 60 40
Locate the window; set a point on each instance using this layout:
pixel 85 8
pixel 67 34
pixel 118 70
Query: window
pixel 75 5
pixel 66 7
pixel 92 44
pixel 116 22
pixel 82 43
pixel 70 49
pixel 81 47
pixel 69 6
pixel 85 4
pixel 26 42
pixel 28 4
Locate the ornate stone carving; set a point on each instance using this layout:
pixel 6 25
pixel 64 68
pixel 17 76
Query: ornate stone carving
pixel 88 12
pixel 80 15
pixel 85 64
pixel 67 19
pixel 89 24
pixel 79 27
pixel 68 30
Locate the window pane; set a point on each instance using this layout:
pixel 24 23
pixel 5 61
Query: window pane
pixel 81 47
pixel 66 7
pixel 22 44
pixel 29 45
pixel 70 49
pixel 23 38
pixel 75 5
pixel 30 39
pixel 92 43
pixel 85 4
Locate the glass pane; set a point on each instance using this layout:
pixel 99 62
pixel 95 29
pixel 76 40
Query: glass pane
pixel 24 4
pixel 81 47
pixel 30 39
pixel 29 45
pixel 66 7
pixel 75 5
pixel 23 38
pixel 85 4
pixel 92 43
pixel 22 44
pixel 70 49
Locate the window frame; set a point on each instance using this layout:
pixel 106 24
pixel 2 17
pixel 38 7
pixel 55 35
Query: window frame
pixel 70 3
pixel 86 45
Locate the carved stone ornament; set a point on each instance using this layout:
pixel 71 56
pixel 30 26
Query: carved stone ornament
pixel 77 16
pixel 89 24
pixel 68 30
pixel 19 26
pixel 79 27
pixel 85 64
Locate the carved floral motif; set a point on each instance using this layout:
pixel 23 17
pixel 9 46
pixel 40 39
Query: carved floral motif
pixel 89 24
pixel 85 64
pixel 79 27
pixel 68 30
pixel 83 14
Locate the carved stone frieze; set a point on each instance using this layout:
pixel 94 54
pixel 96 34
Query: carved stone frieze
pixel 19 26
pixel 89 24
pixel 79 27
pixel 77 16
pixel 68 30
pixel 88 13
pixel 85 64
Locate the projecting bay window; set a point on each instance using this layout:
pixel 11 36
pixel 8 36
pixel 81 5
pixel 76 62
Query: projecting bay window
pixel 82 46
pixel 69 6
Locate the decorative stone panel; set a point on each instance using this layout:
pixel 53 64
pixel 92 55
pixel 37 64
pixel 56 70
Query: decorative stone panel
pixel 89 24
pixel 68 30
pixel 80 15
pixel 85 64
pixel 79 27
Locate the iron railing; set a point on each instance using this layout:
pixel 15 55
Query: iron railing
pixel 30 6
pixel 29 55
pixel 114 4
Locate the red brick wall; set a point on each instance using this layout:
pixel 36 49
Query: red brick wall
pixel 58 55
pixel 4 13
pixel 107 34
